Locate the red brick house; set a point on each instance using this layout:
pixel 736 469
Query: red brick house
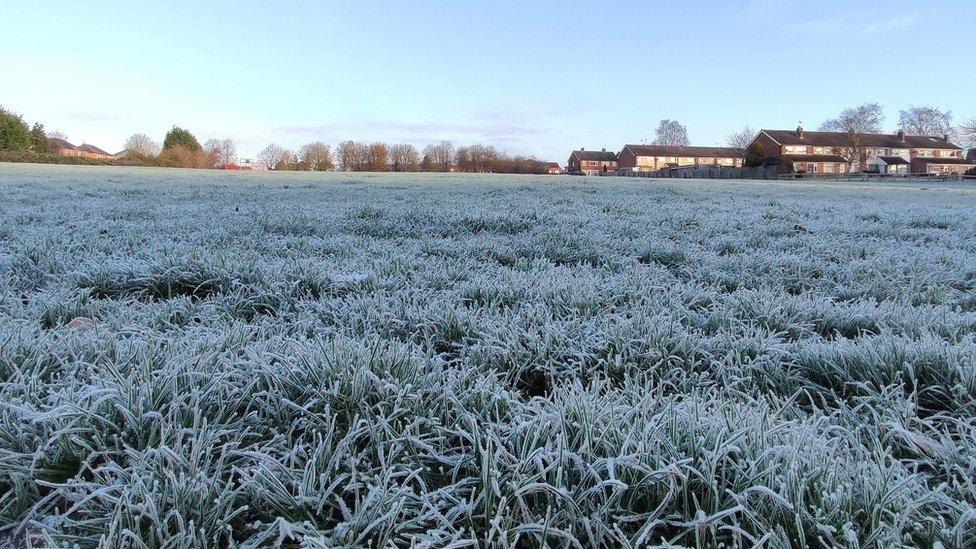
pixel 62 147
pixel 552 168
pixel 592 162
pixel 800 151
pixel 91 151
pixel 650 158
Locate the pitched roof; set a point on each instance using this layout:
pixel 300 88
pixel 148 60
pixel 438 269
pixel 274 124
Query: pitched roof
pixel 931 160
pixel 814 158
pixel 894 160
pixel 601 156
pixel 92 149
pixel 58 143
pixel 840 139
pixel 700 152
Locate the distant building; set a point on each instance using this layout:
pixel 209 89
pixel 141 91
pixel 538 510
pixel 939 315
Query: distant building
pixel 91 151
pixel 650 158
pixel 62 147
pixel 828 152
pixel 552 168
pixel 247 165
pixel 592 162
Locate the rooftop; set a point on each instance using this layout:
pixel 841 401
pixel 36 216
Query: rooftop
pixel 706 152
pixel 841 139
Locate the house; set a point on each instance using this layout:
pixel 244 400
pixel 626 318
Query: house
pixel 650 158
pixel 801 151
pixel 91 151
pixel 592 162
pixel 552 168
pixel 62 147
pixel 942 165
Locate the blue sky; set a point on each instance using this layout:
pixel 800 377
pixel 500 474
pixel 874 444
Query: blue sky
pixel 529 77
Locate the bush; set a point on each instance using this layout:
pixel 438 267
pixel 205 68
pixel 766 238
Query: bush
pixel 14 134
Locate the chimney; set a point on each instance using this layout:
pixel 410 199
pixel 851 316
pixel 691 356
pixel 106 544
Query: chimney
pixel 604 149
pixel 582 149
pixel 945 138
pixel 799 132
pixel 901 135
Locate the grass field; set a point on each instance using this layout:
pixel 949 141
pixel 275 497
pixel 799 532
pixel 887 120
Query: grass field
pixel 348 360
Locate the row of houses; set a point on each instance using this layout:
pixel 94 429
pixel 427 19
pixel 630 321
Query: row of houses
pixel 63 148
pixel 793 151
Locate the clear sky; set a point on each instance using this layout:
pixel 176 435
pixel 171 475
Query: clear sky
pixel 538 77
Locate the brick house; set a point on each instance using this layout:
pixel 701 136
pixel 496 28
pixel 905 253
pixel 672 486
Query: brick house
pixel 800 151
pixel 552 168
pixel 63 148
pixel 91 151
pixel 650 158
pixel 592 162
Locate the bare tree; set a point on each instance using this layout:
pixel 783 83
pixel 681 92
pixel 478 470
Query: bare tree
pixel 272 156
pixel 671 133
pixel 316 156
pixel 353 156
pixel 404 158
pixel 438 158
pixel 57 135
pixel 925 121
pixel 855 122
pixel 140 144
pixel 377 155
pixel 742 138
pixel 220 152
pixel 967 132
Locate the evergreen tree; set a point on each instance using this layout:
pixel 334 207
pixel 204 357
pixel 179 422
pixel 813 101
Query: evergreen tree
pixel 755 155
pixel 179 136
pixel 14 135
pixel 38 139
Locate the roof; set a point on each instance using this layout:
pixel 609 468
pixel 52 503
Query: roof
pixel 954 161
pixel 602 156
pixel 814 158
pixel 700 152
pixel 92 149
pixel 840 139
pixel 552 165
pixel 58 143
pixel 893 160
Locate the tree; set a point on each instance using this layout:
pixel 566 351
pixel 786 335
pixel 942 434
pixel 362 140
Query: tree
pixel 377 155
pixel 38 138
pixel 140 144
pixel 352 156
pixel 404 158
pixel 316 156
pixel 755 155
pixel 967 132
pixel 14 134
pixel 855 122
pixel 925 121
pixel 438 158
pixel 741 139
pixel 220 152
pixel 671 133
pixel 57 135
pixel 272 156
pixel 179 136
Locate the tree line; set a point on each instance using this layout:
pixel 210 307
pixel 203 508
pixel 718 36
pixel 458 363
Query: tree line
pixel 377 156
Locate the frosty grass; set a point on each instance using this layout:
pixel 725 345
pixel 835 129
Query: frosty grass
pixel 443 360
